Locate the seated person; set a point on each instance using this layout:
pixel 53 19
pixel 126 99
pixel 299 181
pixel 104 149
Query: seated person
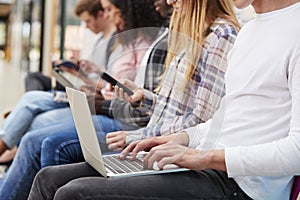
pixel 134 48
pixel 91 13
pixel 250 148
pixel 188 96
pixel 35 102
pixel 62 146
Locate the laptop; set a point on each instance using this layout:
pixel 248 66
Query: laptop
pixel 107 165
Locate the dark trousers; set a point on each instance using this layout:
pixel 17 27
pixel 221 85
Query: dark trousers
pixel 81 181
pixel 38 81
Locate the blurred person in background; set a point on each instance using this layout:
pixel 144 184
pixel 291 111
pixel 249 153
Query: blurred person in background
pixel 251 147
pixel 202 32
pixel 92 14
pixel 135 43
pixel 63 147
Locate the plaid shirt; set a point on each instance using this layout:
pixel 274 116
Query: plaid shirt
pixel 136 117
pixel 175 108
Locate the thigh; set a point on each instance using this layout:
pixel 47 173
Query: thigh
pixel 59 148
pixel 51 117
pixel 61 174
pixel 49 179
pixel 208 184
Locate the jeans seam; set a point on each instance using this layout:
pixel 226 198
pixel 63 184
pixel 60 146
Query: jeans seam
pixel 60 147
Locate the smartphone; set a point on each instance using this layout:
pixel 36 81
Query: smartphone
pixel 67 64
pixel 114 82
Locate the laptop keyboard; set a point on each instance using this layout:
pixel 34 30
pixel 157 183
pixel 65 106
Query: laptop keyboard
pixel 118 166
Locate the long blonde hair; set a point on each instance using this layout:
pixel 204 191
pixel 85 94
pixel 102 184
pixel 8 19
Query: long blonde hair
pixel 188 33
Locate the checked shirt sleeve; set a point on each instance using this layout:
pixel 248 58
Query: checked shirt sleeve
pixel 210 80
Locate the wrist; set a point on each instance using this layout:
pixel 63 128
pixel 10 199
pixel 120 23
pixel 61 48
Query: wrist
pixel 215 159
pixel 179 138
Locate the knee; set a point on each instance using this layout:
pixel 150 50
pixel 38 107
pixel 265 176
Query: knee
pixel 32 95
pixel 27 138
pixel 54 142
pixel 29 145
pixel 41 188
pixel 43 176
pixel 72 190
pixel 40 95
pixel 48 152
pixel 48 144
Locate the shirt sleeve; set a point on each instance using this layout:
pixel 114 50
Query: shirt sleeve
pixel 276 158
pixel 197 133
pixel 129 61
pixel 209 93
pixel 128 115
pixel 205 136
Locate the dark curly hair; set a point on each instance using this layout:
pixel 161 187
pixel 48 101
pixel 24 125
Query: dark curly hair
pixel 138 14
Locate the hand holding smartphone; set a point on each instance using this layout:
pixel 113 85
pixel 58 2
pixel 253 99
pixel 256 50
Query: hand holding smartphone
pixel 67 64
pixel 114 82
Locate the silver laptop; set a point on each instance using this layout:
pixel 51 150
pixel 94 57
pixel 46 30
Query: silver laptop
pixel 107 165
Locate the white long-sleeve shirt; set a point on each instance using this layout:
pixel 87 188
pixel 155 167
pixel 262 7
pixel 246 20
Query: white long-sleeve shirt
pixel 258 123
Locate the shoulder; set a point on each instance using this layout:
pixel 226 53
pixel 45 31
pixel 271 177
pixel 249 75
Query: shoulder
pixel 222 28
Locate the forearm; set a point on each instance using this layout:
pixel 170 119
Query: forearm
pixel 276 158
pixel 215 160
pixel 198 160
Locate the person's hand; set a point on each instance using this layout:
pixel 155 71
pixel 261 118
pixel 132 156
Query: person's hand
pixel 184 157
pixel 138 92
pixel 80 73
pixel 172 153
pixel 69 70
pixel 67 66
pixel 88 66
pixel 144 145
pixel 108 92
pixel 116 141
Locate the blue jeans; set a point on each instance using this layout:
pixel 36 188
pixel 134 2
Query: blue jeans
pixel 64 147
pixel 19 120
pixel 17 182
pixel 50 117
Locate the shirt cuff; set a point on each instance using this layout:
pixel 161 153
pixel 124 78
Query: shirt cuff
pixel 192 133
pixel 197 134
pixel 133 136
pixel 233 160
pixel 149 98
